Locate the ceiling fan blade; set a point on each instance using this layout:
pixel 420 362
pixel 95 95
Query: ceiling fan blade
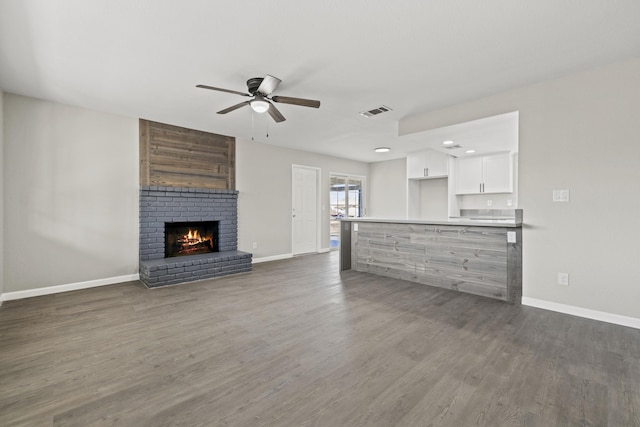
pixel 234 107
pixel 276 114
pixel 296 101
pixel 268 85
pixel 222 90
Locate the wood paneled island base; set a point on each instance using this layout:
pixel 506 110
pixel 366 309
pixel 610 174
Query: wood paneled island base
pixel 481 258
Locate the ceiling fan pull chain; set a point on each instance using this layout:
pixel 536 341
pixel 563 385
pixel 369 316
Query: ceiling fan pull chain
pixel 267 121
pixel 252 125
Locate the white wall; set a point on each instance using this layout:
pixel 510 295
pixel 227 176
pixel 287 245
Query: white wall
pixel 388 195
pixel 71 194
pixel 1 195
pixel 480 201
pixel 433 199
pixel 263 179
pixel 581 133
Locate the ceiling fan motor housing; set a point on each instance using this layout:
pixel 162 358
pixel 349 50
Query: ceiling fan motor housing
pixel 253 84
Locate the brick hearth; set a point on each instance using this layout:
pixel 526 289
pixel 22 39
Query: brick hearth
pixel 159 205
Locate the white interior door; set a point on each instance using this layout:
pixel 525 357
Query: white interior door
pixel 304 215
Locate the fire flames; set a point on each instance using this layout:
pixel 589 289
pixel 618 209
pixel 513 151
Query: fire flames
pixel 193 243
pixel 190 241
pixel 193 236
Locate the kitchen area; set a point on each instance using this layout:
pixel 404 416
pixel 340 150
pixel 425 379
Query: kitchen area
pixel 462 229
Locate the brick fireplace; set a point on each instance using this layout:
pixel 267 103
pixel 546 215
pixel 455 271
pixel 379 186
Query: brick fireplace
pixel 162 206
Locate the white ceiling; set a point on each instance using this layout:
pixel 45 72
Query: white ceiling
pixel 487 135
pixel 143 58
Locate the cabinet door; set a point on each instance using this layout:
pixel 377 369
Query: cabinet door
pixel 417 165
pixel 437 163
pixel 469 175
pixel 498 173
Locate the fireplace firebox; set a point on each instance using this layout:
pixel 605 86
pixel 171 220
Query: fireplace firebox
pixel 190 238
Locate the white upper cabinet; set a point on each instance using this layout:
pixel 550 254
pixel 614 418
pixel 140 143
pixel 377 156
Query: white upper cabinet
pixel 485 174
pixel 469 179
pixel 498 174
pixel 437 163
pixel 427 164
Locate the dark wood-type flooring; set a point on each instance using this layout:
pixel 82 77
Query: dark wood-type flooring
pixel 297 344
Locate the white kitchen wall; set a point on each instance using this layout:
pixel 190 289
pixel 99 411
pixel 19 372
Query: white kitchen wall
pixel 263 179
pixel 433 199
pixel 388 196
pixel 580 133
pixel 480 201
pixel 70 194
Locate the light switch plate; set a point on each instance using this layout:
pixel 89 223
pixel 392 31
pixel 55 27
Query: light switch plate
pixel 560 195
pixel 511 237
pixel 563 279
pixel 355 226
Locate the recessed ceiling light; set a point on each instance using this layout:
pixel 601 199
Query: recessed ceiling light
pixel 447 142
pixel 382 149
pixel 470 151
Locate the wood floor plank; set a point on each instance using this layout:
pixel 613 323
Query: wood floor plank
pixel 297 343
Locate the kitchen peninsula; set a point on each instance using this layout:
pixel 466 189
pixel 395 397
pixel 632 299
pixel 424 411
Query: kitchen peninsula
pixel 477 256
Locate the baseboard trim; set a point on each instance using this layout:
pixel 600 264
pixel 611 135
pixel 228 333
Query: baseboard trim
pixel 8 296
pixel 602 316
pixel 286 256
pixel 272 258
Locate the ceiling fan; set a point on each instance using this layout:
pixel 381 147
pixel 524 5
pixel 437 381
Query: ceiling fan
pixel 260 89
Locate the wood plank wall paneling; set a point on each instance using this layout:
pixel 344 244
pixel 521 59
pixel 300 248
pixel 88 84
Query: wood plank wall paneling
pixel 173 156
pixel 468 259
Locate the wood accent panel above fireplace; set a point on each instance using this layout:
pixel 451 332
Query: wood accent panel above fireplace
pixel 173 156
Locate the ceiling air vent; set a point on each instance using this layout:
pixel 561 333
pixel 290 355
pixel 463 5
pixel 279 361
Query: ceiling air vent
pixel 451 147
pixel 375 111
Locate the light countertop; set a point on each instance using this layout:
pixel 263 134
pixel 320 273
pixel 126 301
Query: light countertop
pixel 495 222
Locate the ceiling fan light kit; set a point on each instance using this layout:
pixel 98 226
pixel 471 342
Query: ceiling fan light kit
pixel 259 105
pixel 260 89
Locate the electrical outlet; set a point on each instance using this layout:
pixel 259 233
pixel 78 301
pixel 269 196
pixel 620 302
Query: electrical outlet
pixel 255 245
pixel 509 202
pixel 563 279
pixel 489 202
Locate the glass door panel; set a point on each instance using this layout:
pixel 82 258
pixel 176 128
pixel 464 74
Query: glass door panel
pixel 337 208
pixel 345 201
pixel 354 197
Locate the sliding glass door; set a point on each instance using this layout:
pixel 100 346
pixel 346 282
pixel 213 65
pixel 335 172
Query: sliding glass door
pixel 345 201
